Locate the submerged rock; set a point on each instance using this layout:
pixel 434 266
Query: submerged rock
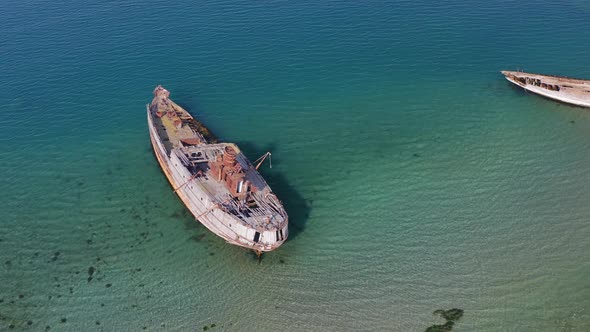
pixel 446 327
pixel 197 238
pixel 451 314
pixel 207 327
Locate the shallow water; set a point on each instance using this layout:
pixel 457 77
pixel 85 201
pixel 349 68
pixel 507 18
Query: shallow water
pixel 416 178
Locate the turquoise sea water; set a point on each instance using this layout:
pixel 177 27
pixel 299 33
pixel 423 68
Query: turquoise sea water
pixel 416 178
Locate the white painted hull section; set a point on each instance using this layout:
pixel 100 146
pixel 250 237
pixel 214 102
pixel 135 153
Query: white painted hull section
pixel 555 95
pixel 223 224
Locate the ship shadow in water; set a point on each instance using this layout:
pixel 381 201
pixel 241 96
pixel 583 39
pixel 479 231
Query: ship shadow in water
pixel 521 92
pixel 296 206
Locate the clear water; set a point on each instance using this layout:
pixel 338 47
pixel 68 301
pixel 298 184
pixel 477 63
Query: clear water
pixel 416 178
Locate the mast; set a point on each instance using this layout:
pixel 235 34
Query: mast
pixel 261 160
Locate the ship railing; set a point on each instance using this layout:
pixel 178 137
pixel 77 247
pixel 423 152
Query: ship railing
pixel 234 208
pixel 267 208
pixel 271 203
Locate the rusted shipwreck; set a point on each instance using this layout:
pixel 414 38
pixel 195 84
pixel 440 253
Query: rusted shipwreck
pixel 215 181
pixel 564 89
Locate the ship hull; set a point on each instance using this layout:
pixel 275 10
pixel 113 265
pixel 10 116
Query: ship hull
pixel 201 207
pixel 572 91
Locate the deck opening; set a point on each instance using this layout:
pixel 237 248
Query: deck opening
pixel 256 237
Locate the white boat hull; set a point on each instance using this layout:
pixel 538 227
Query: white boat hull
pixel 572 91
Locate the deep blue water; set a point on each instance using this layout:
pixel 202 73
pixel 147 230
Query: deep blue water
pixel 416 178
